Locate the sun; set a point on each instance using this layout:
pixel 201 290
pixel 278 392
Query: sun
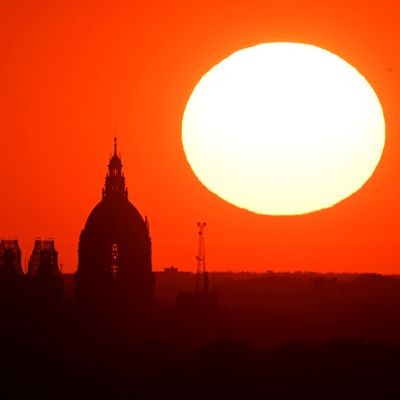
pixel 283 129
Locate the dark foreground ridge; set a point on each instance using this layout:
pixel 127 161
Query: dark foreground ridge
pixel 280 336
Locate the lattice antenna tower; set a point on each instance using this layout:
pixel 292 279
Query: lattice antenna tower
pixel 201 276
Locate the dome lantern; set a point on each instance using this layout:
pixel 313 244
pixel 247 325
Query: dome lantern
pixel 115 180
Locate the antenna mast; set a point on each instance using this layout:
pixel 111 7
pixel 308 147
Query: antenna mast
pixel 201 260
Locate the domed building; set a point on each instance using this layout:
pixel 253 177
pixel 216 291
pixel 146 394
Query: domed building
pixel 114 267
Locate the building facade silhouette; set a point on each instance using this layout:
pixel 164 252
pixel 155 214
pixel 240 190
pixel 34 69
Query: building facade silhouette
pixel 10 258
pixel 114 254
pixel 11 274
pixel 44 275
pixel 40 288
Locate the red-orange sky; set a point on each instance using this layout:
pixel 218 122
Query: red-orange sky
pixel 72 70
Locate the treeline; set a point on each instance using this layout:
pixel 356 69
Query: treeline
pixel 223 369
pixel 279 336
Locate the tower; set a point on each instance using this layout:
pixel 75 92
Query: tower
pixel 201 275
pixel 201 302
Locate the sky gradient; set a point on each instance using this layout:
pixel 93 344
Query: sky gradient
pixel 74 72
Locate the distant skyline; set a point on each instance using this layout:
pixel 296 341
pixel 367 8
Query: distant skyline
pixel 72 74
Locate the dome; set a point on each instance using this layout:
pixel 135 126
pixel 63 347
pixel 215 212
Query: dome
pixel 116 217
pixel 114 222
pixel 115 248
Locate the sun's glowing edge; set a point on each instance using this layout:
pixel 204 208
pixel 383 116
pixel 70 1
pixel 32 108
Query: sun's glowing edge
pixel 192 158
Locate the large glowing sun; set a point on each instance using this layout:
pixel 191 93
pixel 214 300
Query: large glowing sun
pixel 283 128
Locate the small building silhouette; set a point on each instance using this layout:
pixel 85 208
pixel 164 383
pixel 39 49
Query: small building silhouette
pixel 171 270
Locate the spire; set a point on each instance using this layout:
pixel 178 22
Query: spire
pixel 115 180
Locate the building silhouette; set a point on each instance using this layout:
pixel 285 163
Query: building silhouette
pixel 114 255
pixel 10 258
pixel 44 276
pixel 11 274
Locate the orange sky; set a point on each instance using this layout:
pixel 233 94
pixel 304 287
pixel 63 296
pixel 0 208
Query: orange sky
pixel 71 70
